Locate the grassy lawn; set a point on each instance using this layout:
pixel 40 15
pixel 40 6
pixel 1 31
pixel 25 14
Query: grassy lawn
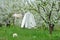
pixel 6 33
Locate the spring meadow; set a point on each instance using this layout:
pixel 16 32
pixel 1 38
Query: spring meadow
pixel 29 19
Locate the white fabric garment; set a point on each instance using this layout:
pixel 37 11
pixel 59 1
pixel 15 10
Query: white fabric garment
pixel 28 21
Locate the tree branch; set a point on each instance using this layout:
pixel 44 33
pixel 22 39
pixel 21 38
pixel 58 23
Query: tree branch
pixel 41 15
pixel 51 11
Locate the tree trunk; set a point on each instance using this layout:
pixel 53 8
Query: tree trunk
pixel 51 28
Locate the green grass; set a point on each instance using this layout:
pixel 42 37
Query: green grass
pixel 6 33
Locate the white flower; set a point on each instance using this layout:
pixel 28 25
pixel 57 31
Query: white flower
pixel 14 34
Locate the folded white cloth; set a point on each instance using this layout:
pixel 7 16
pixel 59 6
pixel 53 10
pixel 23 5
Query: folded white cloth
pixel 28 21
